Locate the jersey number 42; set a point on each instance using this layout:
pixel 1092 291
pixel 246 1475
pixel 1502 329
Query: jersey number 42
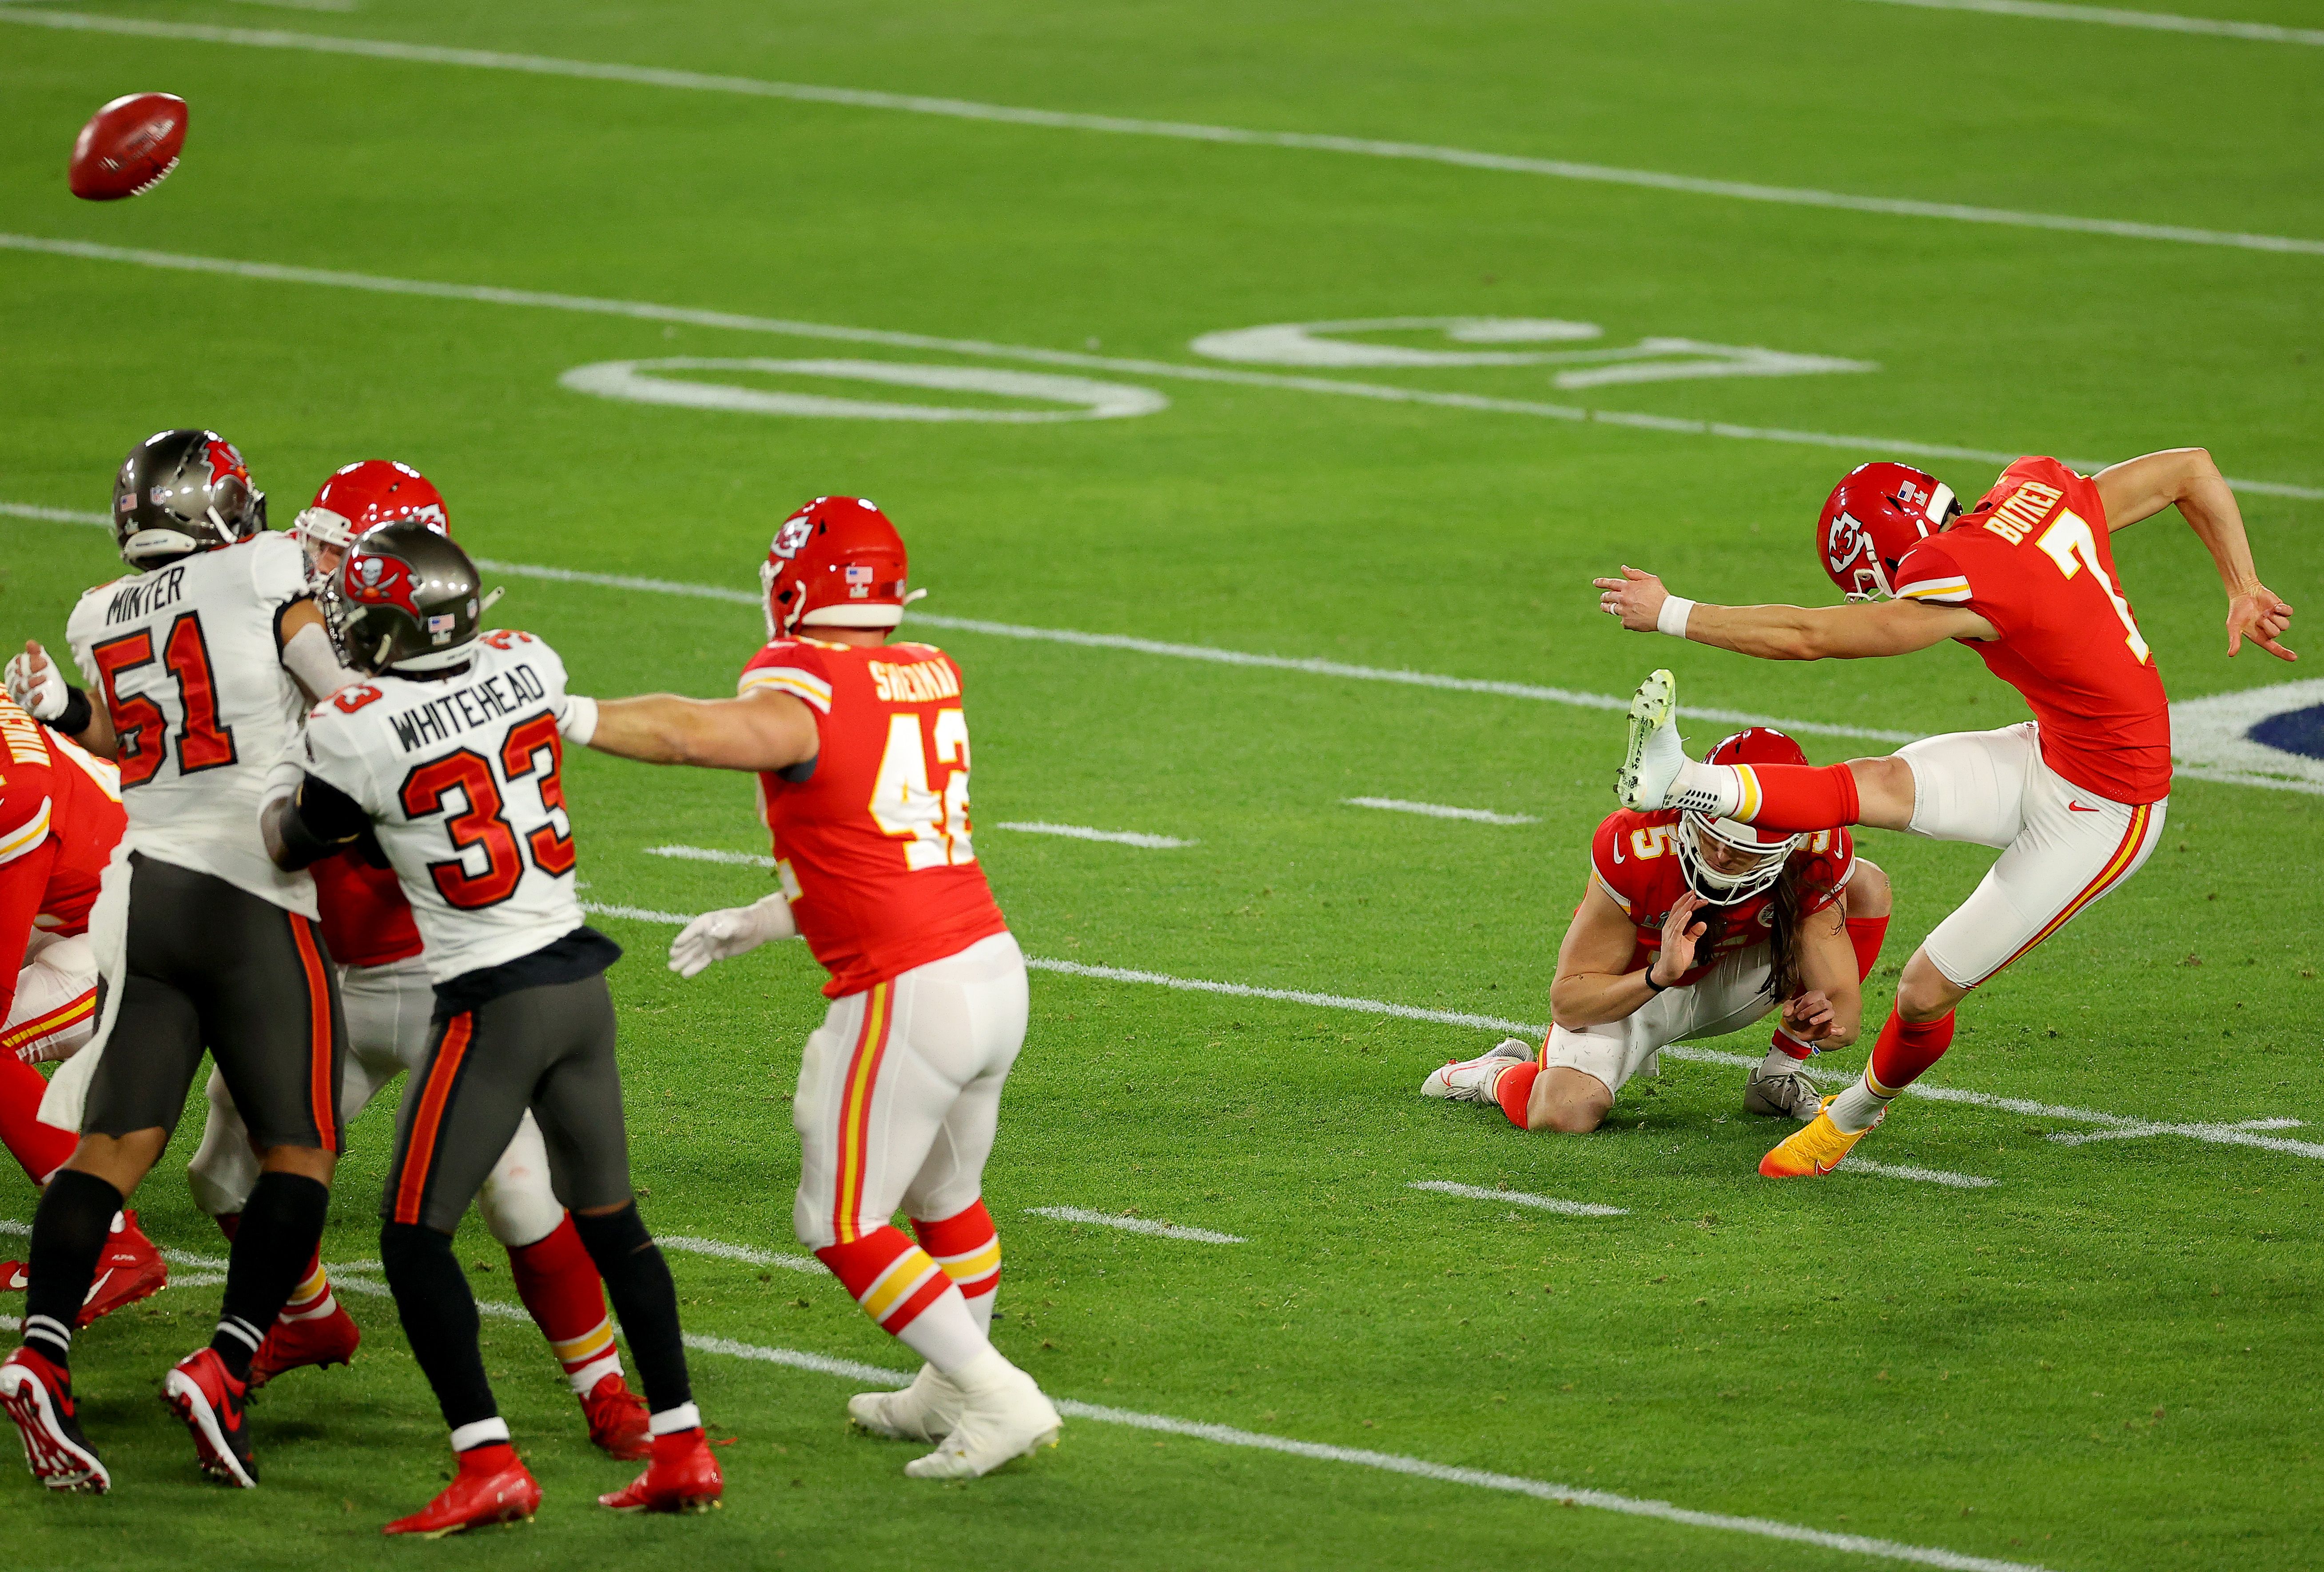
pixel 933 824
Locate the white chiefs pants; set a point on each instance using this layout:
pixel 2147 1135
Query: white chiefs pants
pixel 900 1092
pixel 2063 848
pixel 1727 998
pixel 388 1009
pixel 53 1011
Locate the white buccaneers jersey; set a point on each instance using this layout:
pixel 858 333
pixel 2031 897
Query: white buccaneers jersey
pixel 461 777
pixel 183 657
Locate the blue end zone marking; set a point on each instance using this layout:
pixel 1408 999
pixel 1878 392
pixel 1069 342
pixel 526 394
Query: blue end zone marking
pixel 2298 732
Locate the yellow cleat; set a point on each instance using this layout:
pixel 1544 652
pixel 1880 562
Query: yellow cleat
pixel 1815 1148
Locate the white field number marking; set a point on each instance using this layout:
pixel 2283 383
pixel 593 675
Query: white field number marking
pixel 2071 545
pixel 1650 360
pixel 635 382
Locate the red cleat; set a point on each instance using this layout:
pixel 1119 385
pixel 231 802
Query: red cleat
pixel 200 1392
pixel 682 1477
pixel 330 1339
pixel 493 1487
pixel 38 1396
pixel 617 1420
pixel 131 1269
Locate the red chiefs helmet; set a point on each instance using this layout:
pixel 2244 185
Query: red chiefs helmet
pixel 837 563
pixel 362 495
pixel 1766 850
pixel 1873 517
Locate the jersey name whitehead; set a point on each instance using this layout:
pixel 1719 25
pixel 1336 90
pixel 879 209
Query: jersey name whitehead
pixel 461 779
pixel 465 709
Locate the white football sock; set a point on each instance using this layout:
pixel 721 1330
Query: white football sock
pixel 1855 1109
pixel 946 1334
pixel 1707 788
pixel 1779 1063
pixel 980 1311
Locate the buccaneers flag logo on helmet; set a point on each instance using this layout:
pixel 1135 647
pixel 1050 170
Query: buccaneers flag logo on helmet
pixel 380 581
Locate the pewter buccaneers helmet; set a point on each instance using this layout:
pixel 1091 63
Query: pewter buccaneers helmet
pixel 1769 850
pixel 405 598
pixel 1872 518
pixel 183 491
pixel 837 563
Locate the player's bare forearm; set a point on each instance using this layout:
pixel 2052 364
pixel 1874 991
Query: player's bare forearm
pixel 759 732
pixel 98 736
pixel 2186 478
pixel 1828 966
pixel 1591 998
pixel 1856 632
pixel 1595 981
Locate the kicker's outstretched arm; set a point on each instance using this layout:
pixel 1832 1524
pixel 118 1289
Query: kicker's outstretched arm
pixel 757 732
pixel 2140 488
pixel 1851 632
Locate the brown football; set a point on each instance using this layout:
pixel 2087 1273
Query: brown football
pixel 128 147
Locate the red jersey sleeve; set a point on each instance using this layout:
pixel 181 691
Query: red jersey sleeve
pixel 1606 871
pixel 1933 571
pixel 797 669
pixel 1831 863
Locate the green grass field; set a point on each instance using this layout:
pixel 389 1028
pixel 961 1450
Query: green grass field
pixel 2109 1359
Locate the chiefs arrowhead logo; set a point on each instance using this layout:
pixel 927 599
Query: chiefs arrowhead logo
pixel 380 581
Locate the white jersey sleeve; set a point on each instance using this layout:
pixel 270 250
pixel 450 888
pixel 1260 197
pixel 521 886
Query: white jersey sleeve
pixel 461 777
pixel 184 659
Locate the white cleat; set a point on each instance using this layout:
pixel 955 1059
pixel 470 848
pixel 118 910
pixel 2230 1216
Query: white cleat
pixel 1002 1417
pixel 1790 1096
pixel 1648 778
pixel 925 1411
pixel 1471 1080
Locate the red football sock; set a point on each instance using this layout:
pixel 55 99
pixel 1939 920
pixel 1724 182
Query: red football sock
pixel 1906 1049
pixel 1798 797
pixel 892 1278
pixel 1866 935
pixel 227 1223
pixel 1515 1089
pixel 312 1297
pixel 968 1248
pixel 1791 1047
pixel 559 1285
pixel 42 1149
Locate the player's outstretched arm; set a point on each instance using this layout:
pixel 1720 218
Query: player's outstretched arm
pixel 1829 1008
pixel 1594 982
pixel 1856 632
pixel 40 690
pixel 2140 488
pixel 757 732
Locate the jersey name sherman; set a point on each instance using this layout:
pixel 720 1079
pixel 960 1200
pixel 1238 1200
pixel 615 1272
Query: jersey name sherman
pixel 467 709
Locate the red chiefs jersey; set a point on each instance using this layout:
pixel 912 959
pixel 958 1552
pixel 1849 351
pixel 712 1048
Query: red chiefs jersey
pixel 2032 558
pixel 1635 859
pixel 365 920
pixel 873 846
pixel 53 791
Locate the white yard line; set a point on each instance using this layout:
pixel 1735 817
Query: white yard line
pixel 2115 16
pixel 1084 832
pixel 1518 1197
pixel 636 914
pixel 712 854
pixel 1925 1175
pixel 726 1252
pixel 1135 1224
pixel 1118 125
pixel 650 312
pixel 1439 811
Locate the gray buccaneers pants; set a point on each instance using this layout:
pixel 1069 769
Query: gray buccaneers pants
pixel 548 1048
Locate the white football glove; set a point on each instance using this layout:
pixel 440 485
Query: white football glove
pixel 737 931
pixel 36 685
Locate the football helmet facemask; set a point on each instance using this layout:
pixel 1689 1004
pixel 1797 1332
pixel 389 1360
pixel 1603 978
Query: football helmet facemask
pixel 1872 518
pixel 837 563
pixel 361 496
pixel 405 598
pixel 181 491
pixel 1754 857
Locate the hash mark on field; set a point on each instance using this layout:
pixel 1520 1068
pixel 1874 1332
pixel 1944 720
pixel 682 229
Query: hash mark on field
pixel 1135 1224
pixel 1548 1203
pixel 1925 1175
pixel 1177 130
pixel 712 854
pixel 635 914
pixel 1541 1490
pixel 2112 16
pixel 1084 833
pixel 726 1252
pixel 1439 811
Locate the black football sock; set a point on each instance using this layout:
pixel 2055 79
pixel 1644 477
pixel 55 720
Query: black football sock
pixel 637 1280
pixel 282 1224
pixel 69 1234
pixel 439 1320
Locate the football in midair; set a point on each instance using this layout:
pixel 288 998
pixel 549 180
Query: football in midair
pixel 128 147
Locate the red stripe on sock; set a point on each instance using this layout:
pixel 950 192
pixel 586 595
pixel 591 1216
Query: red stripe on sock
pixel 1804 796
pixel 1515 1089
pixel 1866 935
pixel 559 1283
pixel 1907 1048
pixel 970 1229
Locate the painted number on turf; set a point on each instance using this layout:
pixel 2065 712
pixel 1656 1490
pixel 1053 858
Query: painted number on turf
pixel 2072 546
pixel 932 824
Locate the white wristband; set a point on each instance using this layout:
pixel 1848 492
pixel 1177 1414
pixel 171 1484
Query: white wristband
pixel 1672 618
pixel 580 721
